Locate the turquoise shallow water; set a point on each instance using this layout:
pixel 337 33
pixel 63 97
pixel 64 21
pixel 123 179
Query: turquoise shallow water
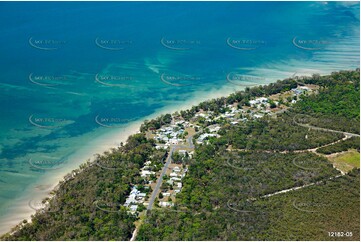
pixel 73 70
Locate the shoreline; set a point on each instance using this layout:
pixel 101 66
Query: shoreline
pixel 101 143
pixel 106 141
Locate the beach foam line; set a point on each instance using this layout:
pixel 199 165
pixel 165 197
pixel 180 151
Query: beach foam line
pixel 21 210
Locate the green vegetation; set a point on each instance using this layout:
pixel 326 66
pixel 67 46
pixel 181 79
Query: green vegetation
pixel 217 182
pixel 346 161
pixel 352 158
pixel 89 206
pixel 344 145
pixel 316 210
pixel 337 105
pixel 270 134
pixel 156 123
pixel 222 197
pixel 309 213
pixel 224 192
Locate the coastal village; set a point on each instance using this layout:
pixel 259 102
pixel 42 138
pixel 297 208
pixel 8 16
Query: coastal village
pixel 172 145
pixel 177 137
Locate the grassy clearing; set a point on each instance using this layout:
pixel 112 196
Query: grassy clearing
pixel 346 161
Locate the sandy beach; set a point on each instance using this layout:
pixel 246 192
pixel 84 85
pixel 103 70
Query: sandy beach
pixel 23 207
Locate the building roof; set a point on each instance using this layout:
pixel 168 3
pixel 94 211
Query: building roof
pixel 133 207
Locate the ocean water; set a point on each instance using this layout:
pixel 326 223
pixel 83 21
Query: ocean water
pixel 72 72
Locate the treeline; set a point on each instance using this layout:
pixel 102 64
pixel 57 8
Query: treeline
pixel 316 211
pixel 156 123
pixel 218 199
pixel 280 134
pixel 338 84
pixel 242 97
pixel 221 198
pixel 344 145
pixel 223 193
pixel 89 205
pixel 337 105
pixel 273 133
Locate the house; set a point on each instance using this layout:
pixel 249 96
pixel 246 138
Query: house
pixel 262 99
pixel 173 141
pixel 176 169
pixel 175 179
pixel 179 185
pixel 203 136
pixel 161 146
pixel 173 174
pixel 67 177
pixel 142 195
pixel 179 122
pixel 145 173
pixel 134 191
pixel 258 101
pixel 133 208
pixel 257 116
pixel 130 200
pixel 304 88
pixel 214 129
pixel 166 194
pixel 300 90
pixel 165 204
pixel 200 115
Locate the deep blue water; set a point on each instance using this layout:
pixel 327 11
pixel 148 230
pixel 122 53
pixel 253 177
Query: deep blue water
pixel 145 56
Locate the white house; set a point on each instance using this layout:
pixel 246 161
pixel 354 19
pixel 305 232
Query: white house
pixel 173 174
pixel 142 195
pixel 165 204
pixel 214 129
pixel 258 101
pixel 173 141
pixel 133 208
pixel 176 169
pixel 129 201
pixel 258 116
pixel 175 179
pixel 145 173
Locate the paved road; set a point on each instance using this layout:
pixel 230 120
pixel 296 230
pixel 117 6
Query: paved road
pixel 190 142
pixel 160 179
pixel 168 160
